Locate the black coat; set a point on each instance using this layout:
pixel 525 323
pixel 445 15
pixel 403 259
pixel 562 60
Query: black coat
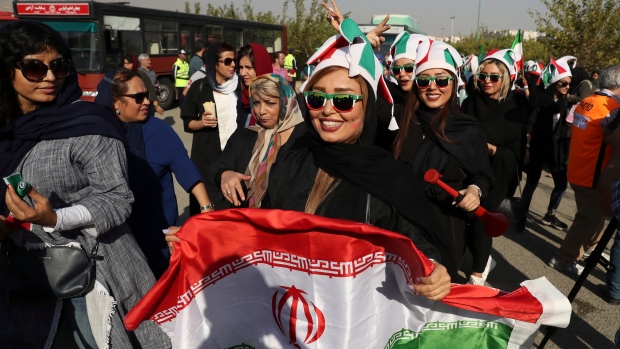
pixel 299 165
pixel 238 153
pixel 206 143
pixel 501 123
pixel 549 145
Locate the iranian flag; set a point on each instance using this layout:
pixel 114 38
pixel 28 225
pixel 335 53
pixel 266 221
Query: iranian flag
pixel 254 278
pixel 517 47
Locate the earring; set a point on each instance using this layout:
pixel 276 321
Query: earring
pixel 118 112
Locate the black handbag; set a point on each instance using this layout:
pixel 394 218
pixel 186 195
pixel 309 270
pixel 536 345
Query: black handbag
pixel 54 272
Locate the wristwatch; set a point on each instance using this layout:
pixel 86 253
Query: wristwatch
pixel 210 206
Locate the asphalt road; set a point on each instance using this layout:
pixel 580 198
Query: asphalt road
pixel 522 257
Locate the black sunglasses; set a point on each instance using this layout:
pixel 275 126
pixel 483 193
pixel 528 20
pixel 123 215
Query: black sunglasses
pixel 563 83
pixel 226 61
pixel 35 71
pixel 408 68
pixel 139 97
pixel 440 81
pixel 493 77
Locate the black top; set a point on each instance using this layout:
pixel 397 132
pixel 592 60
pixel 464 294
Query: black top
pixel 238 153
pixel 293 177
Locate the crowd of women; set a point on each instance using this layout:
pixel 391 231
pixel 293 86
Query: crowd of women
pixel 101 173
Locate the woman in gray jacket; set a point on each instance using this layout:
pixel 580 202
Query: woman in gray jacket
pixel 72 153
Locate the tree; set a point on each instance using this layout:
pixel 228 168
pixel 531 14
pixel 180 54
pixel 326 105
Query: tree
pixel 227 11
pixel 197 8
pixel 581 28
pixel 308 30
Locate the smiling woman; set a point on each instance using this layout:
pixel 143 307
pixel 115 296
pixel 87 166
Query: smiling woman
pixel 435 135
pixel 337 171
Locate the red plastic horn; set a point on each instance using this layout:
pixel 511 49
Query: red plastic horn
pixel 495 223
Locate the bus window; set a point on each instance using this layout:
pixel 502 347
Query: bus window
pixel 277 40
pixel 233 38
pixel 84 39
pixel 161 36
pixel 213 33
pixel 123 37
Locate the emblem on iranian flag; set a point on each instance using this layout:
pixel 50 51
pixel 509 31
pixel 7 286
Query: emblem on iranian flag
pixel 292 300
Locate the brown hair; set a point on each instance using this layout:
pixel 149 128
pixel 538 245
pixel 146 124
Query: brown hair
pixel 323 182
pixel 121 82
pixel 409 116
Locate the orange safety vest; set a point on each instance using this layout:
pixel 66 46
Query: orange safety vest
pixel 588 155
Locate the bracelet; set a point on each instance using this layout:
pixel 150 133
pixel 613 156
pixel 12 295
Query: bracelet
pixel 207 207
pixel 525 87
pixel 477 187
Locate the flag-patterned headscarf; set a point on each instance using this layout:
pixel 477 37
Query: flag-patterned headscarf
pixel 269 141
pixel 557 70
pixel 508 57
pixel 406 45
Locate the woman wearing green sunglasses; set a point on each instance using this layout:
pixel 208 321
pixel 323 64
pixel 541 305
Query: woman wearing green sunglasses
pixel 495 105
pixel 435 135
pixel 338 172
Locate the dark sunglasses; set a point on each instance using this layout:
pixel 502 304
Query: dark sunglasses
pixel 563 83
pixel 493 77
pixel 440 81
pixel 226 61
pixel 34 70
pixel 342 102
pixel 408 68
pixel 139 97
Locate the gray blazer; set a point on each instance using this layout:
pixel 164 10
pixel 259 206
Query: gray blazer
pixel 89 171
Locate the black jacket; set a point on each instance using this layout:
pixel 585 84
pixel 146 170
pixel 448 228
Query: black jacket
pixel 206 143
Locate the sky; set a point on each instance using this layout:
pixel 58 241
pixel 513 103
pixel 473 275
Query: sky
pixel 432 15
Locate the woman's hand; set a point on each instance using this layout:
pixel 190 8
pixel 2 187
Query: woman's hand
pixel 41 214
pixel 231 186
pixel 374 36
pixel 492 149
pixel 159 109
pixel 526 159
pixel 471 199
pixel 334 17
pixel 171 237
pixel 208 120
pixel 435 286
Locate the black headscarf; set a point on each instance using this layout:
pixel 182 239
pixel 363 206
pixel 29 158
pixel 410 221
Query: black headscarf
pixel 374 170
pixel 65 117
pixel 210 60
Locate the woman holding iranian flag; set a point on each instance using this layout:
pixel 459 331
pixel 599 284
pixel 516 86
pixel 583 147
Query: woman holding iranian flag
pixel 338 172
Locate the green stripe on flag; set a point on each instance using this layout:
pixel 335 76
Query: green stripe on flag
pixel 460 334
